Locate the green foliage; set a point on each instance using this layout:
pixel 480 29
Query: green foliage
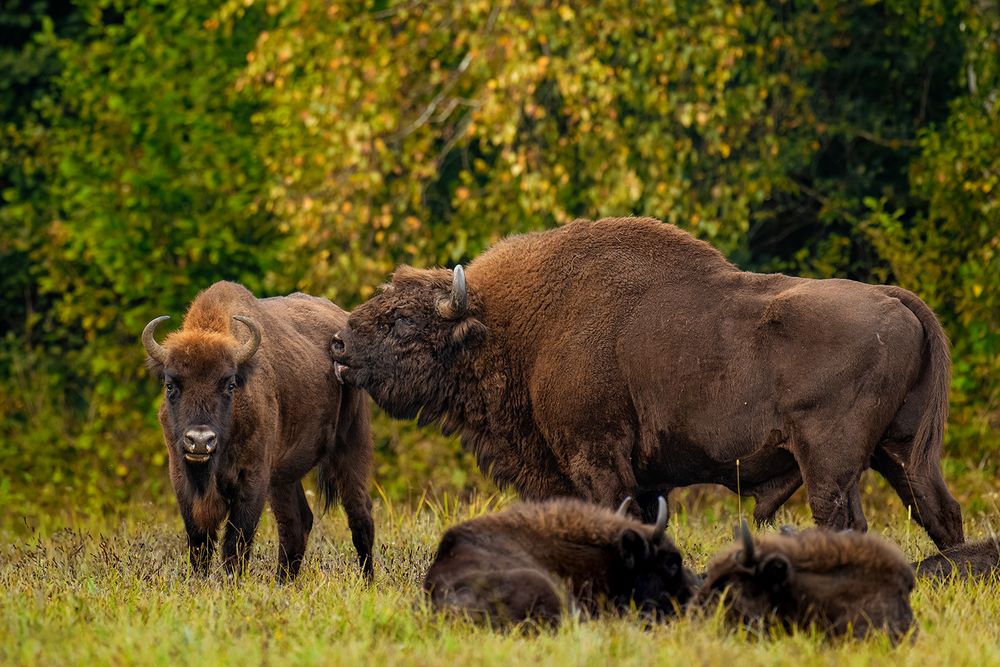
pixel 149 149
pixel 425 133
pixel 144 189
pixel 951 247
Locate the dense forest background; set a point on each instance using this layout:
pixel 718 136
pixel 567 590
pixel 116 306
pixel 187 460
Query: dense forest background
pixel 149 148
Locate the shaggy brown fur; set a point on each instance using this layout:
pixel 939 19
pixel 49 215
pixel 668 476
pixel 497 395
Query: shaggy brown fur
pixel 972 559
pixel 274 418
pixel 625 357
pixel 844 582
pixel 534 560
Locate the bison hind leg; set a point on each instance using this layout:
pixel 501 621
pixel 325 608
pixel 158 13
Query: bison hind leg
pixel 345 474
pixel 923 489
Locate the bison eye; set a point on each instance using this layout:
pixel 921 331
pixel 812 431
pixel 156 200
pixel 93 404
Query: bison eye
pixel 231 387
pixel 402 325
pixel 171 390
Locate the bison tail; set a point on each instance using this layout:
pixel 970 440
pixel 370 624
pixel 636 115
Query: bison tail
pixel 935 375
pixel 326 482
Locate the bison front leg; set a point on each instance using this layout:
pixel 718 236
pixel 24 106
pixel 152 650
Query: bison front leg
pixel 599 472
pixel 294 518
pixel 201 542
pixel 202 515
pixel 244 515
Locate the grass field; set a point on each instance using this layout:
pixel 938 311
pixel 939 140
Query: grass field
pixel 118 592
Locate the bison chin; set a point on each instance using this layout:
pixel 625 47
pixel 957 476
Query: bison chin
pixel 403 394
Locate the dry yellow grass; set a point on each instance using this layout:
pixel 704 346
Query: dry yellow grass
pixel 118 592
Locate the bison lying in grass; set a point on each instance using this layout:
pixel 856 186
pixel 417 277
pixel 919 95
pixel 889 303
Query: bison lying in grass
pixel 843 582
pixel 536 560
pixel 972 559
pixel 251 406
pixel 624 357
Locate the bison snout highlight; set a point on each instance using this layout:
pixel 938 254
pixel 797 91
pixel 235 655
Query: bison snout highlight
pixel 338 349
pixel 199 443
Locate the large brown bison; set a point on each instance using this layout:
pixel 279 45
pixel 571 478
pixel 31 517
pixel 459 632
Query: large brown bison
pixel 624 357
pixel 536 560
pixel 251 406
pixel 972 559
pixel 842 582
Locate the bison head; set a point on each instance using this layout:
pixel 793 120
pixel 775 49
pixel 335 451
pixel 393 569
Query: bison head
pixel 406 344
pixel 649 571
pixel 200 371
pixel 844 582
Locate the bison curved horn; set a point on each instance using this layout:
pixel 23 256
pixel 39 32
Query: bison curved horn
pixel 660 529
pixel 743 534
pixel 623 508
pixel 458 301
pixel 154 349
pixel 250 347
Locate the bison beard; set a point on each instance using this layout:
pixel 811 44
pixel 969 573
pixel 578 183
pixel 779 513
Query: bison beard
pixel 844 583
pixel 535 560
pixel 624 357
pixel 251 407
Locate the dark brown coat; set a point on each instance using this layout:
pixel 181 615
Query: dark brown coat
pixel 536 560
pixel 243 429
pixel 972 559
pixel 843 582
pixel 625 357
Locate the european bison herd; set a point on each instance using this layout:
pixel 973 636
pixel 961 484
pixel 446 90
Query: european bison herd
pixel 584 366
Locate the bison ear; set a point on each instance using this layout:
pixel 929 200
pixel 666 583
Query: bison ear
pixel 468 332
pixel 633 548
pixel 774 572
pixel 155 367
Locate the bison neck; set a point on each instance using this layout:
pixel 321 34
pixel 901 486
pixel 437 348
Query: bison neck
pixel 557 306
pixel 200 477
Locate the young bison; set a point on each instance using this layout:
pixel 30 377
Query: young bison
pixel 844 582
pixel 972 559
pixel 534 560
pixel 251 406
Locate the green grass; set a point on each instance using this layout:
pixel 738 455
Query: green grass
pixel 118 592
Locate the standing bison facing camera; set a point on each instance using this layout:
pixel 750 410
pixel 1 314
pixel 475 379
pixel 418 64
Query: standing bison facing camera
pixel 534 560
pixel 251 406
pixel 624 357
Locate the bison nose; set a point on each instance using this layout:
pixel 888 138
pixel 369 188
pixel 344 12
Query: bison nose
pixel 200 440
pixel 337 346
